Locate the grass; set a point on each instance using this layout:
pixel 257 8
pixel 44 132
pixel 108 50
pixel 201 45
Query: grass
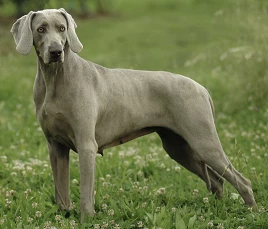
pixel 220 44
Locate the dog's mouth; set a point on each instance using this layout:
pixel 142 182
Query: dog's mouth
pixel 55 60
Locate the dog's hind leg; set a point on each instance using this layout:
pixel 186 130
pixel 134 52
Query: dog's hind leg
pixel 179 150
pixel 201 135
pixel 214 156
pixel 59 159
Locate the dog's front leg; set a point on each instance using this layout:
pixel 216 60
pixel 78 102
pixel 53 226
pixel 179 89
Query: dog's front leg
pixel 87 156
pixel 59 159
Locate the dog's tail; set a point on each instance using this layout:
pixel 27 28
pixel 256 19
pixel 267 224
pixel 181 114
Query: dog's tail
pixel 211 105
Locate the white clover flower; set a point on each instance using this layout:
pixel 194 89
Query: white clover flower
pixel 104 225
pixel 72 206
pixel 144 204
pixel 135 185
pixel 205 200
pixel 105 184
pixel 29 219
pixel 24 173
pixel 38 214
pixel 13 174
pixel 121 154
pixel 73 223
pixel 3 159
pixel 140 224
pixel 29 168
pixel 195 192
pixel 47 224
pixel 8 203
pixel 261 209
pixel 117 226
pixel 62 223
pixel 75 182
pixel 145 188
pixel 58 217
pixel 12 192
pixel 108 176
pixel 2 221
pixel 104 207
pixel 126 163
pixel 202 218
pixel 234 196
pixel 106 197
pixel 110 212
pixel 17 219
pixel 210 224
pixel 34 205
pixel 7 194
pixel 139 189
pixel 140 173
pixel 161 191
pixel 97 226
pixel 220 226
pixel 26 193
pixel 173 209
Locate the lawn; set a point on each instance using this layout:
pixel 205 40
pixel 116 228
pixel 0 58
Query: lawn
pixel 220 44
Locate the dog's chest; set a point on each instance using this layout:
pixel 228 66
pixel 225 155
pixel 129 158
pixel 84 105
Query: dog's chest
pixel 55 125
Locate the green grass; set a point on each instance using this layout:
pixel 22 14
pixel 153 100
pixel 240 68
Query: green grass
pixel 220 44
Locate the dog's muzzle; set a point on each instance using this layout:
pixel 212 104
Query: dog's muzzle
pixel 55 52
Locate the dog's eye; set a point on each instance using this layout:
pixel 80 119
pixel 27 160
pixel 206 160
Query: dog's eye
pixel 40 30
pixel 62 28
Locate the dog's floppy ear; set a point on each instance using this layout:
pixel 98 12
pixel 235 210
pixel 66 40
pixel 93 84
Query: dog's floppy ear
pixel 22 33
pixel 74 43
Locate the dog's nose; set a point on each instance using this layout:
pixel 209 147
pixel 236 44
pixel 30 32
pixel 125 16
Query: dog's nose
pixel 55 50
pixel 55 53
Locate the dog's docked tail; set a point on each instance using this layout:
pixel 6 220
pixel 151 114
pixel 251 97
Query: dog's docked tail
pixel 211 105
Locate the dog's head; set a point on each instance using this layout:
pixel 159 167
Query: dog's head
pixel 49 31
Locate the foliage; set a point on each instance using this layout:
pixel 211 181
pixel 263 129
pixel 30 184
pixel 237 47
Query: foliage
pixel 80 7
pixel 220 44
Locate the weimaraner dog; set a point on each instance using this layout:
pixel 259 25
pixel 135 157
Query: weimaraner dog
pixel 87 108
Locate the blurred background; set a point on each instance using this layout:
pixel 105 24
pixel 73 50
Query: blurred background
pixel 219 43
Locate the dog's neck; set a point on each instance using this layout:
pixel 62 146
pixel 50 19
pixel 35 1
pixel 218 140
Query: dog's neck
pixel 54 71
pixel 52 79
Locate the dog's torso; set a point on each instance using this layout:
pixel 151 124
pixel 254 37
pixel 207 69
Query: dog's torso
pixel 118 104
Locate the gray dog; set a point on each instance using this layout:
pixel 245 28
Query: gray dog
pixel 87 108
